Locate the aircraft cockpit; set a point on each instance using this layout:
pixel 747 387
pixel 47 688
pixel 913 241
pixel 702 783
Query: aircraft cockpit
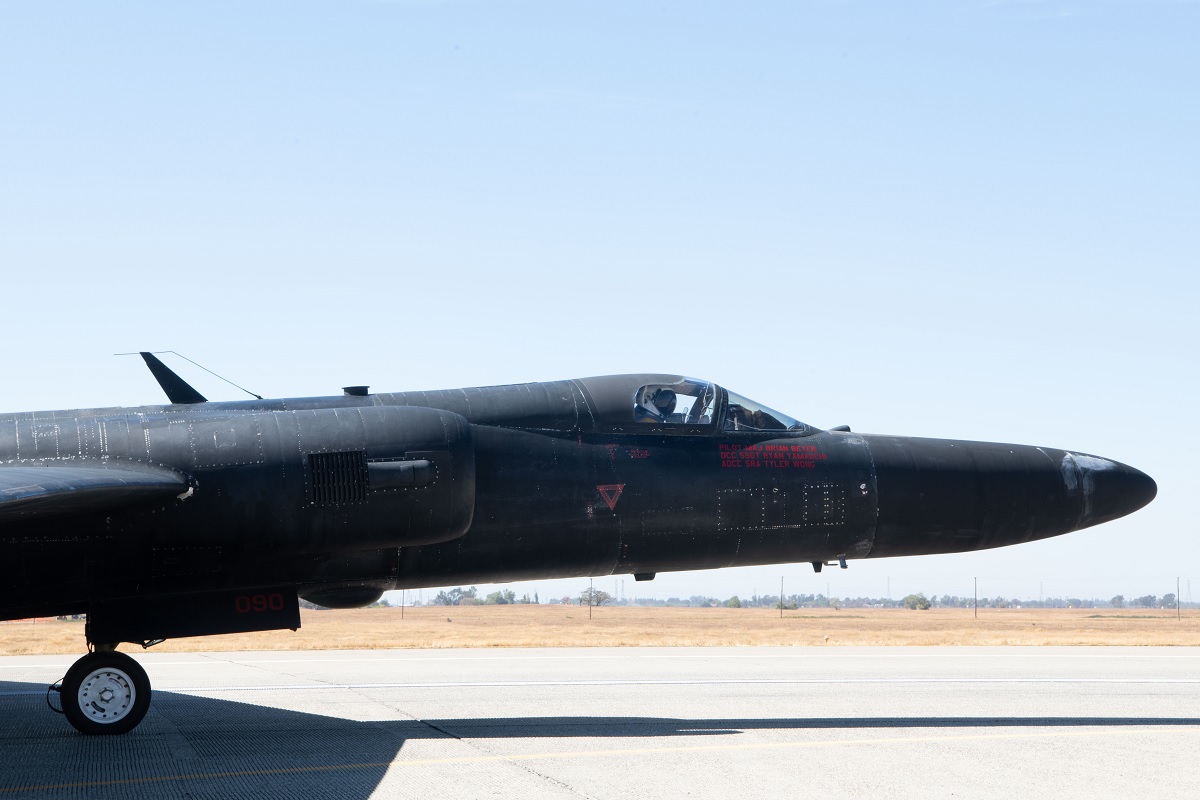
pixel 686 402
pixel 672 404
pixel 742 414
pixel 689 402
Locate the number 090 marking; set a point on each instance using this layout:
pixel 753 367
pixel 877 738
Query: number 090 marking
pixel 258 603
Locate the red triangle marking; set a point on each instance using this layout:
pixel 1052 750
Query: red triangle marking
pixel 611 492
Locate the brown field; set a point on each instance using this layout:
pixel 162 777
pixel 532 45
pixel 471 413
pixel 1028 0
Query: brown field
pixel 569 626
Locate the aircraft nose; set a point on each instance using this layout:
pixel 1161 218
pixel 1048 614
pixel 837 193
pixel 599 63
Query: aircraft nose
pixel 1109 489
pixel 943 496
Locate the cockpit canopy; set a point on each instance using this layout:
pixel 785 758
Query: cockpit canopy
pixel 675 404
pixel 686 402
pixel 746 415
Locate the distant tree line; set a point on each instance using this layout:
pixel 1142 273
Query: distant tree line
pixel 470 597
pixel 460 596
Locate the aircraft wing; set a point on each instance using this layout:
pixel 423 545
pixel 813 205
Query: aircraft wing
pixel 29 491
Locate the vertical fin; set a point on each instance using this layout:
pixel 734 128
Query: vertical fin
pixel 177 389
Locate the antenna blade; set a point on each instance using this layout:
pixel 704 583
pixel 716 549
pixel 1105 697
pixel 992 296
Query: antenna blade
pixel 177 389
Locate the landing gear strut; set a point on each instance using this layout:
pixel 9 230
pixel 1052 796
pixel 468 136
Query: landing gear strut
pixel 105 692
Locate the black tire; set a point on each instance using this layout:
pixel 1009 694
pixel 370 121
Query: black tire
pixel 105 693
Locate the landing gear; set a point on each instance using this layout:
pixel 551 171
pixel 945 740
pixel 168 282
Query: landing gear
pixel 105 692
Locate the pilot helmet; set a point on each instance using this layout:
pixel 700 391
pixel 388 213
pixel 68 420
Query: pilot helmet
pixel 664 401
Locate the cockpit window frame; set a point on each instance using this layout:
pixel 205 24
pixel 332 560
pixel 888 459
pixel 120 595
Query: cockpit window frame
pixel 726 404
pixel 676 428
pixel 608 402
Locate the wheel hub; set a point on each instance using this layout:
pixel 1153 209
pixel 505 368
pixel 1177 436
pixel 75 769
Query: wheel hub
pixel 106 695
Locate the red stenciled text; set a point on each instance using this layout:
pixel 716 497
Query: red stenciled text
pixel 258 603
pixel 770 456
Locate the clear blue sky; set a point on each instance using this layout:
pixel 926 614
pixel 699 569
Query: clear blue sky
pixel 953 219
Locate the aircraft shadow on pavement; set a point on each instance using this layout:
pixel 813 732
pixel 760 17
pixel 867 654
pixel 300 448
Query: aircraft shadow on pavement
pixel 216 747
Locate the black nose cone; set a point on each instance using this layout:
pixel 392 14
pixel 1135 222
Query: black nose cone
pixel 1110 489
pixel 942 496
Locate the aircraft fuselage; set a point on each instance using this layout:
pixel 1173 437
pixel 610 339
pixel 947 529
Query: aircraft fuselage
pixel 519 482
pixel 202 518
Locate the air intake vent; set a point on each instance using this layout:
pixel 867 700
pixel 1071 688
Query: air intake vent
pixel 338 477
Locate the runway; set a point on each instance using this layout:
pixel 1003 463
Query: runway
pixel 626 723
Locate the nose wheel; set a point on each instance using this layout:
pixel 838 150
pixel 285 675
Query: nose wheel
pixel 105 693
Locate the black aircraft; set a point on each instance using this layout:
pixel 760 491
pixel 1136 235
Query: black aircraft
pixel 200 518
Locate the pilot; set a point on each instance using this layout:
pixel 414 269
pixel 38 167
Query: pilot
pixel 656 406
pixel 664 402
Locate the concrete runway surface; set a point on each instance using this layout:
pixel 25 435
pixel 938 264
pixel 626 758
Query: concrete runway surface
pixel 835 722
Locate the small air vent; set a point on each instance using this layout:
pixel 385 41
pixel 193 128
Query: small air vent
pixel 338 477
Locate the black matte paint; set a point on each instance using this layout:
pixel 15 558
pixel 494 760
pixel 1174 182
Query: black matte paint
pixel 344 497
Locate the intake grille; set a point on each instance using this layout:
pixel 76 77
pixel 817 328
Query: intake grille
pixel 338 477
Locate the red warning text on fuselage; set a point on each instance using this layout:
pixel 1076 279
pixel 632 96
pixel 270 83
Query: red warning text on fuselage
pixel 770 456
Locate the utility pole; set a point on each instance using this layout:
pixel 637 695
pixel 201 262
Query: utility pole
pixel 401 604
pixel 590 594
pixel 976 603
pixel 1177 614
pixel 781 597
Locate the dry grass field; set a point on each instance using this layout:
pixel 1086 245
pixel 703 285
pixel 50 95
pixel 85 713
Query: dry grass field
pixel 569 626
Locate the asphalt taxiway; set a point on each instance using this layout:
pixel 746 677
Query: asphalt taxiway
pixel 835 722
